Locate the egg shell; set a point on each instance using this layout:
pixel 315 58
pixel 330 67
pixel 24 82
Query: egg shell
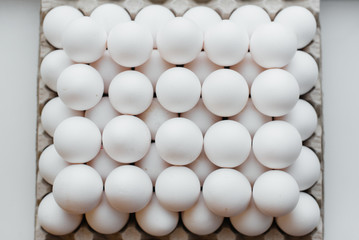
pixel 203 16
pixel 202 167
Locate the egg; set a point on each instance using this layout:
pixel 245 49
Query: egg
pixel 225 43
pixel 51 67
pixel 202 167
pixel 277 144
pixel 104 219
pixel 130 92
pixel 178 89
pixel 126 139
pixel 103 164
pixel 226 192
pixel 203 16
pixel 251 222
pixel 54 219
pixel 304 218
pixel 78 188
pixel 50 164
pixel 101 113
pixel 275 193
pixel 201 116
pixel 303 117
pixel 179 141
pixel 128 189
pixel 84 40
pixel 77 139
pixel 154 17
pixel 301 20
pixel 200 220
pixel 108 69
pixel 250 17
pixel 177 188
pixel 251 118
pixel 156 220
pixel 152 163
pixel 222 141
pixel 273 45
pixel 305 70
pixel 80 87
pixel 179 41
pixel 225 92
pixel 275 92
pixel 54 112
pixel 124 50
pixel 56 21
pixel 108 15
pixel 155 115
pixel 154 67
pixel 306 169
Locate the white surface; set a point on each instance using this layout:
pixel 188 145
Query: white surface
pixel 19 24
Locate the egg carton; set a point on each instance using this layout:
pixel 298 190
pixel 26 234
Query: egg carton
pixel 224 7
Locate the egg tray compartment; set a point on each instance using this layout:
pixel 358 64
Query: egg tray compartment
pixel 224 7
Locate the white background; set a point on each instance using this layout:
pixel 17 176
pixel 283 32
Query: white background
pixel 19 30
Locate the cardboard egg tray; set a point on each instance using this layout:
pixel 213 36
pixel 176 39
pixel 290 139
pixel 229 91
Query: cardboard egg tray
pixel 224 7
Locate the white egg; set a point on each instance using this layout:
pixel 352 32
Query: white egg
pixel 251 168
pixel 84 40
pixel 251 118
pixel 251 17
pixel 126 139
pixel 248 68
pixel 108 69
pixel 202 167
pixel 77 140
pixel 54 112
pixel 275 92
pixel 203 16
pixel 200 220
pixel 108 15
pixel 306 169
pixel 156 220
pixel 154 67
pixel 104 219
pixel 122 47
pixel 179 141
pixel 50 164
pixel 251 222
pixel 303 117
pixel 178 89
pixel 305 69
pixel 154 17
pixel 56 21
pixel 201 116
pixel 128 189
pixel 222 141
pixel 177 188
pixel 101 113
pixel 273 45
pixel 226 192
pixel 80 86
pixel 304 218
pixel 277 144
pixel 78 188
pixel 51 67
pixel 103 164
pixel 301 20
pixel 130 92
pixel 54 219
pixel 225 92
pixel 179 41
pixel 225 43
pixel 275 193
pixel 152 163
pixel 155 115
